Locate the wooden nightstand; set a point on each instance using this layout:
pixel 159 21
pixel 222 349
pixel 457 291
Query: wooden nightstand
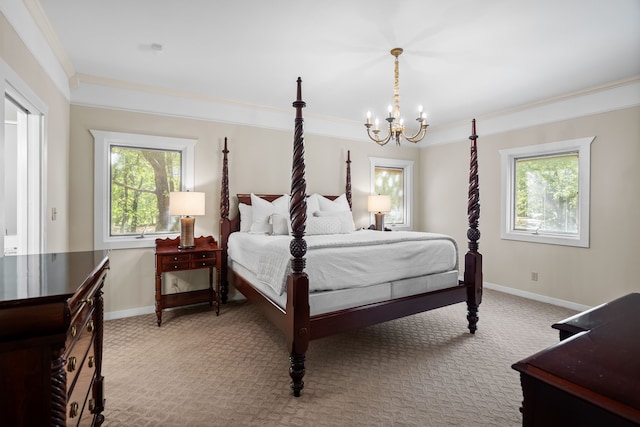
pixel 206 254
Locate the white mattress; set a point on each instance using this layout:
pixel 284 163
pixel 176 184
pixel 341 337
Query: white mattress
pixel 381 266
pixel 349 260
pixel 328 301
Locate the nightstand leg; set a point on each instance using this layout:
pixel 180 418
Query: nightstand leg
pixel 217 291
pixel 159 298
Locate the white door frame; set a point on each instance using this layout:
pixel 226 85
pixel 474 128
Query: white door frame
pixel 34 186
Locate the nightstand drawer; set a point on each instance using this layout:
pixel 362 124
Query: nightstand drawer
pixel 203 263
pixel 176 266
pixel 204 255
pixel 169 260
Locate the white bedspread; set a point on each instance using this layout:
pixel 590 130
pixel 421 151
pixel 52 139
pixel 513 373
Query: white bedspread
pixel 342 261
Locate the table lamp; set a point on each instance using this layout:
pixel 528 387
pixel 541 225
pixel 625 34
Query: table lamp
pixel 379 204
pixel 186 204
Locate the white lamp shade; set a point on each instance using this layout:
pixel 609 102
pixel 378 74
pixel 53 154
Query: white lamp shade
pixel 186 203
pixel 379 203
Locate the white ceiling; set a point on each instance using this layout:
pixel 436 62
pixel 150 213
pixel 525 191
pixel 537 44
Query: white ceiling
pixel 462 58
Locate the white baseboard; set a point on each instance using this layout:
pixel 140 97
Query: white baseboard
pixel 110 315
pixel 537 297
pixel 239 297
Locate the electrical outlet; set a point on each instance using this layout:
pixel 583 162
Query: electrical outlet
pixel 534 276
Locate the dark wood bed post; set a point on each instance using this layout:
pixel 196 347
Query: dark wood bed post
pixel 225 226
pixel 348 186
pixel 473 258
pixel 298 328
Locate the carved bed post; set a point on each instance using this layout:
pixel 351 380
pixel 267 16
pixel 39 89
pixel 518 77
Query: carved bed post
pixel 224 221
pixel 348 187
pixel 473 259
pixel 298 332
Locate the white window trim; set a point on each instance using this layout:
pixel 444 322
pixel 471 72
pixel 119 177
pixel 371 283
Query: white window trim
pixel 508 158
pixel 102 209
pixel 407 166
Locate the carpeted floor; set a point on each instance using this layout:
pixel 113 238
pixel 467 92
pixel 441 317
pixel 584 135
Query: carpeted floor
pixel 232 370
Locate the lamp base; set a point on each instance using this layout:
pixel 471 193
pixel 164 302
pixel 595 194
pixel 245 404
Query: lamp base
pixel 379 221
pixel 186 232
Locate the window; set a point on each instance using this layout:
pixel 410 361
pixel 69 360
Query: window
pixel 545 193
pixel 393 177
pixel 134 175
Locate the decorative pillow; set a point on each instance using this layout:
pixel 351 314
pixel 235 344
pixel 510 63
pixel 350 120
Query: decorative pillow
pixel 313 205
pixel 262 210
pixel 340 204
pixel 280 224
pixel 345 218
pixel 245 217
pixel 323 225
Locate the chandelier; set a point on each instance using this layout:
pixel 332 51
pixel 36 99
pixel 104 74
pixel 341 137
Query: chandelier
pixel 396 123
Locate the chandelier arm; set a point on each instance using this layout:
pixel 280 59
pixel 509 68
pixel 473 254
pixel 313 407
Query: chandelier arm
pixel 375 138
pixel 418 135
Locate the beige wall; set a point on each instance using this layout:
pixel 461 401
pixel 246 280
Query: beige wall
pixel 22 62
pixel 587 276
pixel 259 162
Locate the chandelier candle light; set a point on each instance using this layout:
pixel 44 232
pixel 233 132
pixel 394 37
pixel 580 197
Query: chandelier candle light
pixel 396 123
pixel 186 204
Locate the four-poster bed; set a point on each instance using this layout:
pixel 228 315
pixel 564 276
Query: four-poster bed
pixel 305 312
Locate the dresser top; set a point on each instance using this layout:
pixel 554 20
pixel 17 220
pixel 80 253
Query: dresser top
pixel 31 278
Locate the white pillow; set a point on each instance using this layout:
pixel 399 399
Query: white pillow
pixel 323 225
pixel 313 204
pixel 245 217
pixel 345 219
pixel 340 204
pixel 262 211
pixel 280 224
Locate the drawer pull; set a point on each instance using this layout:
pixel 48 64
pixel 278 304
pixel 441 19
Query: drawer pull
pixel 91 361
pixel 88 301
pixel 74 331
pixel 90 326
pixel 92 404
pixel 73 410
pixel 71 365
pixel 175 258
pixel 175 267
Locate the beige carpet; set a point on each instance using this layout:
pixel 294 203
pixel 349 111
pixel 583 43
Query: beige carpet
pixel 232 370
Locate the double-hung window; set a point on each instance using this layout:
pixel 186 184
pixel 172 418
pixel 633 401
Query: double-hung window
pixel 545 193
pixel 134 175
pixel 393 177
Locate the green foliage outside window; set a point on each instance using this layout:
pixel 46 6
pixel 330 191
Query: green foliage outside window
pixel 141 181
pixel 390 181
pixel 547 194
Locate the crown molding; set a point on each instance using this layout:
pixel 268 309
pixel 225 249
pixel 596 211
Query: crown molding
pixel 24 24
pixel 602 99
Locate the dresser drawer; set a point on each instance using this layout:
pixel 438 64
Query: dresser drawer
pixel 81 401
pixel 79 350
pixel 78 323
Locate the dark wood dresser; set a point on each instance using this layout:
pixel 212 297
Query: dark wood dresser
pixel 592 376
pixel 51 334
